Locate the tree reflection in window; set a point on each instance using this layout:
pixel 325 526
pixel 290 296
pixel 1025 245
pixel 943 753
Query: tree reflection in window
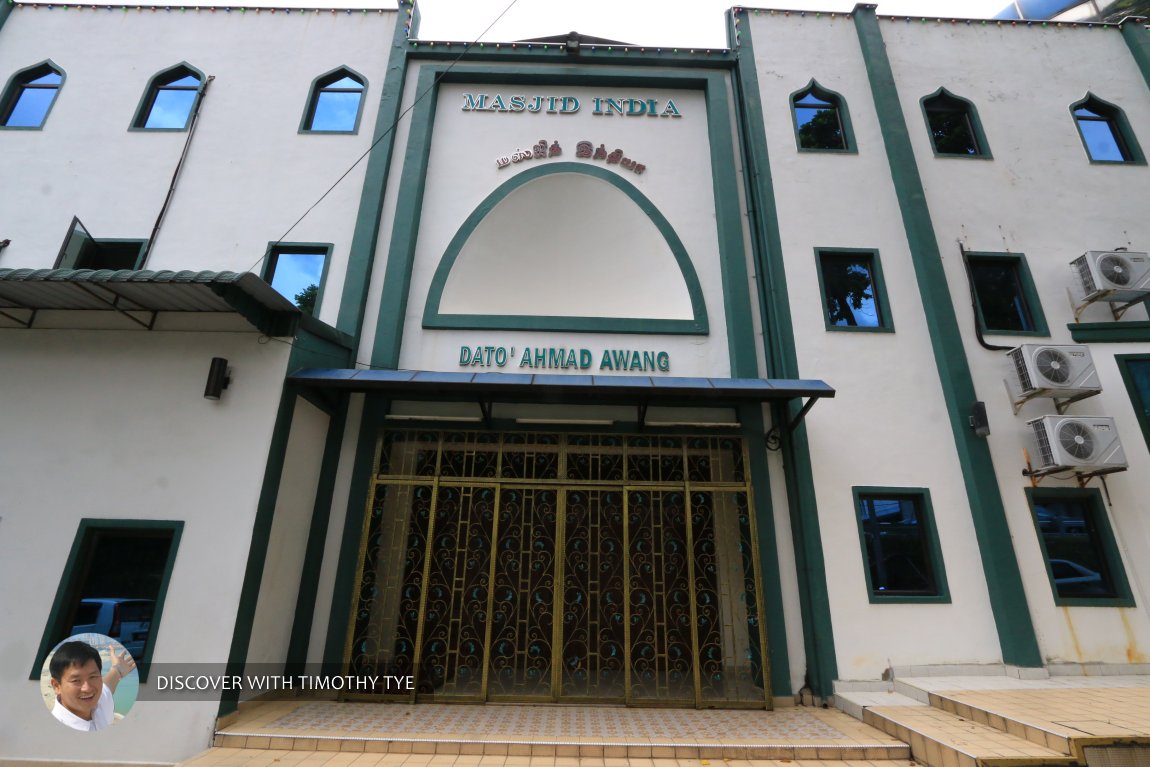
pixel 818 120
pixel 849 293
pixel 952 124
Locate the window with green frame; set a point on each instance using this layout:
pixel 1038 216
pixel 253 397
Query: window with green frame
pixel 822 122
pixel 30 95
pixel 854 296
pixel 83 251
pixel 954 127
pixel 902 558
pixel 297 270
pixel 114 584
pixel 1082 559
pixel 1105 132
pixel 1135 370
pixel 1006 301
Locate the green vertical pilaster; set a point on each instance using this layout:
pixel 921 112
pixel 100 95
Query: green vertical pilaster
pixel 5 11
pixel 339 618
pixel 782 362
pixel 361 255
pixel 316 541
pixel 1004 582
pixel 1137 36
pixel 258 548
pixel 770 579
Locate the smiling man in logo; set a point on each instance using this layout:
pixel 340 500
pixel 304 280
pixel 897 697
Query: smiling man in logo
pixel 83 696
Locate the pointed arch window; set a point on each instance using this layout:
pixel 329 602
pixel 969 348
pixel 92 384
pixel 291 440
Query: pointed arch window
pixel 822 122
pixel 30 95
pixel 953 124
pixel 170 99
pixel 335 102
pixel 1105 132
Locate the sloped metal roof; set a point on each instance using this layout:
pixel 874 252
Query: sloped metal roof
pixel 23 292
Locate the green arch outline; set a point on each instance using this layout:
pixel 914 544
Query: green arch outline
pixel 433 318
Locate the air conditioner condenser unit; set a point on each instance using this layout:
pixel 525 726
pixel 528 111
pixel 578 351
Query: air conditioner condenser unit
pixel 1077 442
pixel 1116 276
pixel 1044 370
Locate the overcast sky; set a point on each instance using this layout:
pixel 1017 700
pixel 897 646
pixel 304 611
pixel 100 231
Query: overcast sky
pixel 688 23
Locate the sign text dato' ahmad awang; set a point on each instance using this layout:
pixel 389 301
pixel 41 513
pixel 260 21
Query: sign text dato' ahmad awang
pixel 564 358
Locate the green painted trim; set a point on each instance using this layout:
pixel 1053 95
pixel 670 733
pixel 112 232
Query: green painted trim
pixel 276 248
pixel 1110 332
pixel 6 7
pixel 1029 294
pixel 770 573
pixel 143 244
pixel 1141 406
pixel 344 591
pixel 1109 547
pixel 886 317
pixel 55 631
pixel 433 318
pixel 1117 117
pixel 981 144
pixel 405 231
pixel 1008 603
pixel 1137 40
pixel 258 549
pixel 840 102
pixel 148 99
pixel 782 362
pixel 313 100
pixel 305 605
pixel 7 101
pixel 361 254
pixel 930 531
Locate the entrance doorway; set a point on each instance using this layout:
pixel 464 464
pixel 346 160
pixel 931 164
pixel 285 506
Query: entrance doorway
pixel 562 568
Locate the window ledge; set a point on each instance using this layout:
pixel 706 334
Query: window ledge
pixel 812 150
pixel 941 599
pixel 1117 162
pixel 1110 332
pixel 850 329
pixel 1097 602
pixel 955 156
pixel 305 132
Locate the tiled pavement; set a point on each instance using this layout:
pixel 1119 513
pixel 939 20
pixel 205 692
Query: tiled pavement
pixel 938 721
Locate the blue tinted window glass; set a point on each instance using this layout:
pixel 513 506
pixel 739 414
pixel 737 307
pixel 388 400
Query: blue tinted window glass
pixel 1074 548
pixel 31 107
pixel 189 81
pixel 52 78
pixel 1101 143
pixel 336 111
pixel 171 109
pixel 344 83
pixel 296 275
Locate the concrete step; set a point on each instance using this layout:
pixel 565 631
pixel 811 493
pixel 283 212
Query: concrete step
pixel 940 738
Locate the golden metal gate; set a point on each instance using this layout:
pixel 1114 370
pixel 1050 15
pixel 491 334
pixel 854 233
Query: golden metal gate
pixel 562 567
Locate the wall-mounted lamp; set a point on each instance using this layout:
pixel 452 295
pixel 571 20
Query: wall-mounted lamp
pixel 978 420
pixel 218 378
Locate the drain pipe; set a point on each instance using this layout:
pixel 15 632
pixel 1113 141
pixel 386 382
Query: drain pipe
pixel 176 175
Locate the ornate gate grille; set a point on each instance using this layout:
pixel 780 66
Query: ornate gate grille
pixel 562 567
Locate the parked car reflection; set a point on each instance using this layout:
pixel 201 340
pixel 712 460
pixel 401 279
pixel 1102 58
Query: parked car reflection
pixel 128 621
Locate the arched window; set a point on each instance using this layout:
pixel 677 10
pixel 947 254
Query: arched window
pixel 953 125
pixel 335 103
pixel 170 99
pixel 821 119
pixel 30 95
pixel 1105 133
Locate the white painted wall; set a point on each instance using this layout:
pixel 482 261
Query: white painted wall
pixel 887 424
pixel 249 174
pixel 113 425
pixel 279 587
pixel 1041 196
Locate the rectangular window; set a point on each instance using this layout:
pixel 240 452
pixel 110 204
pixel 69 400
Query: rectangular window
pixel 901 554
pixel 854 297
pixel 297 271
pixel 1082 559
pixel 83 251
pixel 1005 298
pixel 114 584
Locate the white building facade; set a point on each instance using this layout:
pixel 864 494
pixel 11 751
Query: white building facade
pixel 605 374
